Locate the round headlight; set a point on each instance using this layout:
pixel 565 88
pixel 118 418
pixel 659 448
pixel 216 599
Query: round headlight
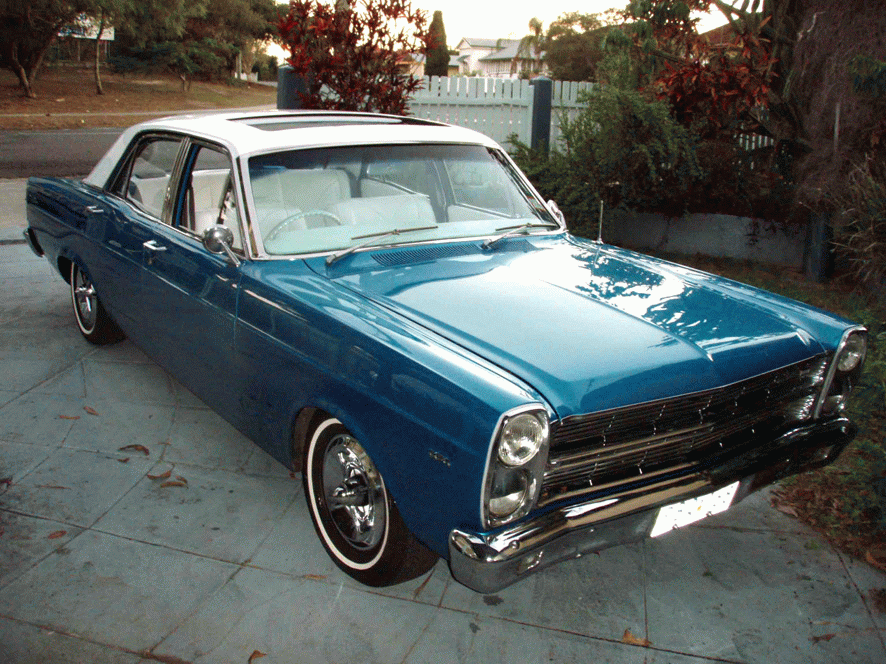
pixel 522 438
pixel 508 492
pixel 852 354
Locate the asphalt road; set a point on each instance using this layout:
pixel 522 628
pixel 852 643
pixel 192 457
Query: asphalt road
pixel 67 152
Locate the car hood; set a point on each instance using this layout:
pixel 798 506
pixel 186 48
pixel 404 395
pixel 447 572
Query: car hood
pixel 590 327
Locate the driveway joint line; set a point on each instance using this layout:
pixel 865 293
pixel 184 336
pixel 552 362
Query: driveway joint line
pixel 145 654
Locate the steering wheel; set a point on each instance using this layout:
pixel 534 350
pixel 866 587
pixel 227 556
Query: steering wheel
pixel 280 228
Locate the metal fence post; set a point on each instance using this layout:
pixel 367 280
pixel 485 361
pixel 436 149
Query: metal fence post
pixel 540 131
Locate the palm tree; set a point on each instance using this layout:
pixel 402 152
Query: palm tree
pixel 531 47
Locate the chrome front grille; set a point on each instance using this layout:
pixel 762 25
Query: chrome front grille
pixel 594 451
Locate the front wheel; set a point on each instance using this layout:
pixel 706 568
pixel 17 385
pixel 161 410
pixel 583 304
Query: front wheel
pixel 354 516
pixel 92 319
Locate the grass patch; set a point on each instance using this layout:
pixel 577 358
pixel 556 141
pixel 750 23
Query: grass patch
pixel 66 99
pixel 845 501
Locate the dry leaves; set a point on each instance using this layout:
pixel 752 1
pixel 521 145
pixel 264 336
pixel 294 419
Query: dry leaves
pixel 135 448
pixel 634 640
pixel 823 637
pixel 178 481
pixel 90 410
pixel 161 476
pixel 256 654
pixel 876 556
pixel 69 417
pixel 57 534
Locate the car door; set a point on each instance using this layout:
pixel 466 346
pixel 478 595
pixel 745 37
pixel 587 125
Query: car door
pixel 189 295
pixel 133 207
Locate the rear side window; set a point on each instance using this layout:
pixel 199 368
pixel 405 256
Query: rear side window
pixel 146 182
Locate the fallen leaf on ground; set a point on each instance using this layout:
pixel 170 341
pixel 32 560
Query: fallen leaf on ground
pixel 634 640
pixel 57 534
pixel 135 448
pixel 823 637
pixel 256 654
pixel 161 476
pixel 876 556
pixel 314 577
pixel 69 417
pixel 181 479
pixel 173 483
pixel 124 460
pixel 51 486
pixel 89 410
pixel 785 509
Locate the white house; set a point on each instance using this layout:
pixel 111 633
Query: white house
pixel 493 58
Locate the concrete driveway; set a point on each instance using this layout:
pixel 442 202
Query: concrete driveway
pixel 105 558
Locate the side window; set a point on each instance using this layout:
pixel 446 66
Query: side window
pixel 150 173
pixel 209 194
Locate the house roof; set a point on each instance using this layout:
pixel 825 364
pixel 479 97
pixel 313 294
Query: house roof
pixel 510 53
pixel 478 42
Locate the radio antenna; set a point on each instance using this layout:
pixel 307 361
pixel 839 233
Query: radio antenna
pixel 600 228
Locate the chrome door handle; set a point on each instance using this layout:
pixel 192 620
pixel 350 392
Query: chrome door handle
pixel 152 245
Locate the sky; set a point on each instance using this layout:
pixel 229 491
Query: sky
pixel 497 19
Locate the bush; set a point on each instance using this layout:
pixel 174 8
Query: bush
pixel 622 148
pixel 860 232
pixel 558 177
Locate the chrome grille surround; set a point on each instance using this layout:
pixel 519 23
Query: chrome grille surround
pixel 604 450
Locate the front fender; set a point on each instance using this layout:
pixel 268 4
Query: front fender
pixel 424 409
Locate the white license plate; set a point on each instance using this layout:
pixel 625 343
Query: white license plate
pixel 689 511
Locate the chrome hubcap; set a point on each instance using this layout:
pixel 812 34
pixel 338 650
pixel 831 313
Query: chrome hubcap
pixel 354 493
pixel 84 296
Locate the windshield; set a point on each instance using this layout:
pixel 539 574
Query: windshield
pixel 331 199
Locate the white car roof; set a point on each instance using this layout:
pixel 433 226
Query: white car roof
pixel 246 134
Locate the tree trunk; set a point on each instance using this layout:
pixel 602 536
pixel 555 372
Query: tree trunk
pixel 98 43
pixel 27 90
pixel 23 78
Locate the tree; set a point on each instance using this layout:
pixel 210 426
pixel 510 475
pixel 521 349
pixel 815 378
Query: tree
pixel 788 72
pixel 349 59
pixel 106 13
pixel 27 29
pixel 574 47
pixel 193 37
pixel 437 58
pixel 531 48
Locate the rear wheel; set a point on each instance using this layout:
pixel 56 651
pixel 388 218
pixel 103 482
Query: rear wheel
pixel 92 319
pixel 353 514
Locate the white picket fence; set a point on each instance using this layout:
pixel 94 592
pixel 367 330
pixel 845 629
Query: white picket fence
pixel 496 107
pixel 501 107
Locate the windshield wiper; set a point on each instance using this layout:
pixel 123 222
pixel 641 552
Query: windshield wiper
pixel 522 229
pixel 372 238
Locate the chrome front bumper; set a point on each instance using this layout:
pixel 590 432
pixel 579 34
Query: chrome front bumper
pixel 487 562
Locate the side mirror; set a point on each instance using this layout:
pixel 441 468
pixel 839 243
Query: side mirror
pixel 555 210
pixel 218 240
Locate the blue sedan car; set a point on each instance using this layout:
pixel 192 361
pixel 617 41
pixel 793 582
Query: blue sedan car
pixel 387 305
